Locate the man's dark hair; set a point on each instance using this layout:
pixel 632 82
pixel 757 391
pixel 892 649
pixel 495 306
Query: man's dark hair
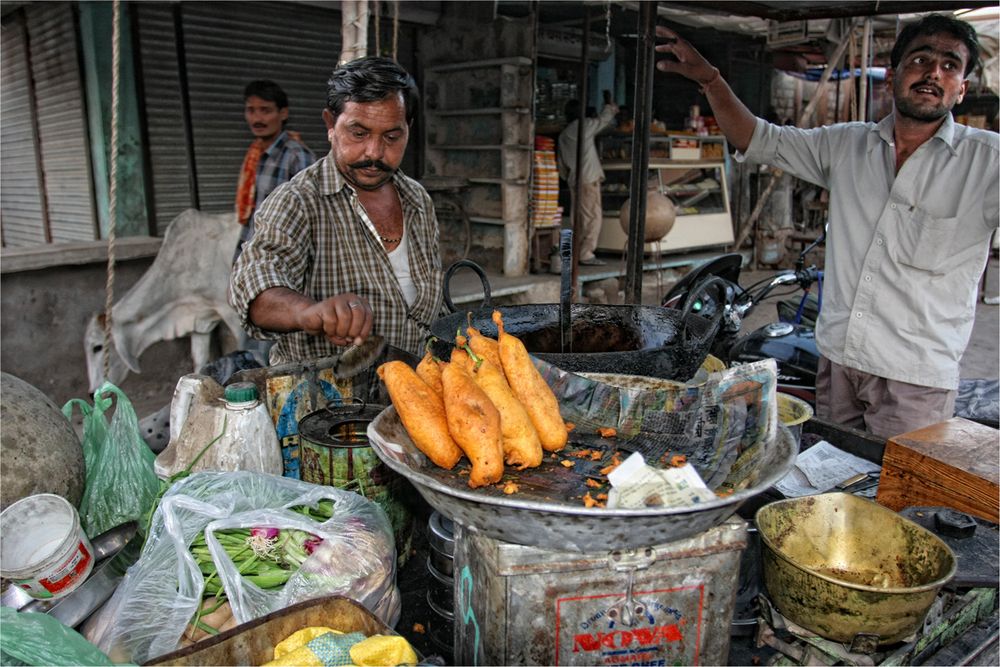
pixel 370 79
pixel 572 110
pixel 266 90
pixel 934 24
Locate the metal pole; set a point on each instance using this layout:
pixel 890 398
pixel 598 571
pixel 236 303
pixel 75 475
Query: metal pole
pixel 645 63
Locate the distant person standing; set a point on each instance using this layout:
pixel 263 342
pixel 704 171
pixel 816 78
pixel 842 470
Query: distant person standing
pixel 589 197
pixel 275 155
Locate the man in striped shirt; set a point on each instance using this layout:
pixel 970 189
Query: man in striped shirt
pixel 275 155
pixel 348 247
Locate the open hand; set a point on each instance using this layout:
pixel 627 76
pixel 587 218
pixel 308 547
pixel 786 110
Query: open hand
pixel 689 63
pixel 344 319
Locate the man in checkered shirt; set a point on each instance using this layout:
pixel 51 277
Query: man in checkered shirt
pixel 349 247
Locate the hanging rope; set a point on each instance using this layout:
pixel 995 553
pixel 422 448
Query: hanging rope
pixel 378 28
pixel 109 289
pixel 395 28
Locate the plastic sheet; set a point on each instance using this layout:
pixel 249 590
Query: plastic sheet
pixel 39 639
pixel 162 591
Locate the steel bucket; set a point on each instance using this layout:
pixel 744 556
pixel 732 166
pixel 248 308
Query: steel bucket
pixel 841 566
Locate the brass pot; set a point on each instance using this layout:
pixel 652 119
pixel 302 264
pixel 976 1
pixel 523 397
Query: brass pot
pixel 840 565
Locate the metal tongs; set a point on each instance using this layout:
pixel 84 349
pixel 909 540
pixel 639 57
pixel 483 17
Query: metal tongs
pixel 859 482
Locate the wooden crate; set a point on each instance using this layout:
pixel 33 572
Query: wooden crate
pixel 952 464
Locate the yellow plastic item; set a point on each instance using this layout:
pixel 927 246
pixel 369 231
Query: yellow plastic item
pixel 300 657
pixel 380 650
pixel 299 639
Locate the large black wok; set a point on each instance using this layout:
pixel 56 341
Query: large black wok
pixel 630 340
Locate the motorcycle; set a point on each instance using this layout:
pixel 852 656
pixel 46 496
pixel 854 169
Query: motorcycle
pixel 790 340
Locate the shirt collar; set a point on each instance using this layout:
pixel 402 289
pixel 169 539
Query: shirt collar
pixel 277 144
pixel 883 131
pixel 332 182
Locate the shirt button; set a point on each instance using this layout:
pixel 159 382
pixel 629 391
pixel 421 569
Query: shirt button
pixel 868 279
pixel 892 206
pixel 858 315
pixel 879 241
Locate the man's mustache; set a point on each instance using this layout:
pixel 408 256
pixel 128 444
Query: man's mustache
pixel 368 164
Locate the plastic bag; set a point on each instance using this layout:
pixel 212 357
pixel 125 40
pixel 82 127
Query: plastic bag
pixel 39 639
pixel 162 591
pixel 121 484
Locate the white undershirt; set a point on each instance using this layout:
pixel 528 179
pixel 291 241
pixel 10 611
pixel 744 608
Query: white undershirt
pixel 400 260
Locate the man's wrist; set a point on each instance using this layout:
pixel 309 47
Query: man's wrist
pixel 705 85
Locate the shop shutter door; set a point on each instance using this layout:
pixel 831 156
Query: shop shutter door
pixel 20 194
pixel 164 112
pixel 226 45
pixel 230 44
pixel 61 122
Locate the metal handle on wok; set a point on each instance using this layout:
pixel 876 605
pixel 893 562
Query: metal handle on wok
pixel 692 298
pixel 466 263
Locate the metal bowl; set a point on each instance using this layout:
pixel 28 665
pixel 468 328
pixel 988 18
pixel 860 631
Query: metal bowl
pixel 841 566
pixel 561 523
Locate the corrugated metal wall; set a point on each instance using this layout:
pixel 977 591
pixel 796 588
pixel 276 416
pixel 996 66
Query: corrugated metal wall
pixel 225 45
pixel 61 147
pixel 20 194
pixel 62 125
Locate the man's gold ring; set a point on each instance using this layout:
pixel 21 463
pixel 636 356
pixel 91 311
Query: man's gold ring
pixel 354 304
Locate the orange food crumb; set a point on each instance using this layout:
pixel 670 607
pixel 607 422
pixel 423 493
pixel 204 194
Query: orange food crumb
pixel 582 454
pixel 602 496
pixel 607 432
pixel 593 483
pixel 419 628
pixel 722 493
pixel 596 456
pixel 567 464
pixel 570 426
pixel 463 472
pixel 510 487
pixel 616 460
pixel 678 460
pixel 588 501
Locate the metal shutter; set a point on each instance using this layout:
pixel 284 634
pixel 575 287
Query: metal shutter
pixel 61 122
pixel 226 45
pixel 164 112
pixel 20 195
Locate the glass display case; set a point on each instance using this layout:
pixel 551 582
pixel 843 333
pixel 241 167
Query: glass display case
pixel 696 182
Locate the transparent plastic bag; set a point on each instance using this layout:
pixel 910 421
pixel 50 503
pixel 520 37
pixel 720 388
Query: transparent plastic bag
pixel 29 638
pixel 162 591
pixel 121 484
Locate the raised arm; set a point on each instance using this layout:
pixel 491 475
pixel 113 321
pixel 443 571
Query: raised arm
pixel 732 116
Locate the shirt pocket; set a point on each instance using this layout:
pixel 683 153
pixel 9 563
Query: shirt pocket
pixel 925 242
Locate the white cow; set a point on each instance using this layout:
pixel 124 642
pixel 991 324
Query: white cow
pixel 182 293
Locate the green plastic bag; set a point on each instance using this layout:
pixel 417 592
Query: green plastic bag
pixel 39 639
pixel 121 483
pixel 95 427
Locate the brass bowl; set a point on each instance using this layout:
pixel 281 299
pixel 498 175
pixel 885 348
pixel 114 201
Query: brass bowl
pixel 840 565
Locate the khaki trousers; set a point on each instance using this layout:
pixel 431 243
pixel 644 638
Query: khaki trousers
pixel 590 217
pixel 883 407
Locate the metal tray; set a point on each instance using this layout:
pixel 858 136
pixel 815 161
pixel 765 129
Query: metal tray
pixel 548 513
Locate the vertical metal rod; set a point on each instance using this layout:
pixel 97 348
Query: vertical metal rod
pixel 865 48
pixel 582 94
pixel 644 67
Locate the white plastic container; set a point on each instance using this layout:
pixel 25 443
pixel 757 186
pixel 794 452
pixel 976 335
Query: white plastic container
pixel 200 411
pixel 43 550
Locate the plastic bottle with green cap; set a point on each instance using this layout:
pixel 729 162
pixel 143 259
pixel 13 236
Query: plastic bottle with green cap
pixel 234 416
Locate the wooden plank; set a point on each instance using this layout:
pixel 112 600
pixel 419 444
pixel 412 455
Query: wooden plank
pixel 954 464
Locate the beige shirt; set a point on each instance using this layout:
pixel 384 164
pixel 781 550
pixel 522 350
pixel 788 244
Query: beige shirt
pixel 904 252
pixel 591 165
